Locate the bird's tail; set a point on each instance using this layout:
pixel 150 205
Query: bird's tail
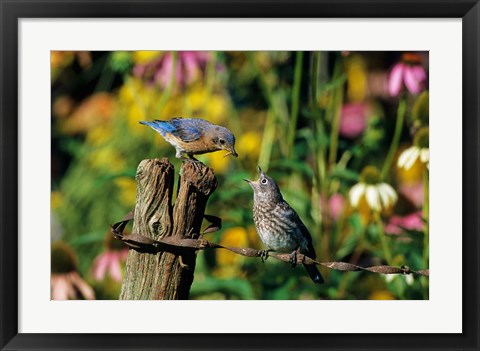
pixel 162 127
pixel 314 273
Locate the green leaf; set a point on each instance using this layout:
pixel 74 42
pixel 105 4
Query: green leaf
pixel 336 83
pixel 296 166
pixel 345 174
pixel 92 237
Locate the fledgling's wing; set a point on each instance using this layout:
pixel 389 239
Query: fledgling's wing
pixel 188 129
pixel 291 216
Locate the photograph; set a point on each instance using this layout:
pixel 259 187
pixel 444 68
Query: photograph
pixel 239 175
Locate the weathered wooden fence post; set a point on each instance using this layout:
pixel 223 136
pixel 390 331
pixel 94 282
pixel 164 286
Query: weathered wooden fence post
pixel 166 275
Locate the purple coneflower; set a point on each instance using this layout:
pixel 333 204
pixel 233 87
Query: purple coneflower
pixel 188 67
pixel 65 282
pixel 408 71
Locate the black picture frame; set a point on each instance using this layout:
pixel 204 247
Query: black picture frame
pixel 12 11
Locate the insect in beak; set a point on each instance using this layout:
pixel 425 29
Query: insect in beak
pixel 231 152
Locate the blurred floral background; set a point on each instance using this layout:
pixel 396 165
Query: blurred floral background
pixel 344 134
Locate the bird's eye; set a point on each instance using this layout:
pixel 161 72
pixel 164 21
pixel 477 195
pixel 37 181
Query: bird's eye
pixel 264 181
pixel 221 141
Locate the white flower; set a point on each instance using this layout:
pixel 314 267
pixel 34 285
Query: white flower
pixel 419 150
pixel 377 194
pixel 408 157
pixel 408 278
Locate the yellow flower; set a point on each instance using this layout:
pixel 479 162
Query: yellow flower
pixel 56 199
pixel 248 145
pixel 99 135
pixel 135 114
pixel 217 161
pixel 232 237
pixel 60 59
pixel 357 78
pixel 196 98
pixel 381 295
pixel 129 91
pixel 140 103
pixel 141 57
pixel 107 159
pixel 253 238
pixel 173 108
pixel 229 263
pixel 128 190
pixel 213 107
pixel 217 108
pixel 413 175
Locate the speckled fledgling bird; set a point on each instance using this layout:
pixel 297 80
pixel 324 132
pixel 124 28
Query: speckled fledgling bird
pixel 278 224
pixel 194 136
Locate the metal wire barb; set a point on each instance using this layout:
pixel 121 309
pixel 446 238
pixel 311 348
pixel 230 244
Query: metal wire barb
pixel 175 243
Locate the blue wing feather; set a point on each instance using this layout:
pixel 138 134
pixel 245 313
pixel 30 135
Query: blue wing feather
pixel 188 129
pixel 162 127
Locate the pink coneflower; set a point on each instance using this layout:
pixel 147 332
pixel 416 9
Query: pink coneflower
pixel 409 72
pixel 413 192
pixel 353 119
pixel 70 286
pixel 189 65
pixel 109 262
pixel 65 282
pixel 397 224
pixel 336 205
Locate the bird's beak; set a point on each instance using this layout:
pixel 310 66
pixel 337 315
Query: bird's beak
pixel 259 170
pixel 231 151
pixel 251 183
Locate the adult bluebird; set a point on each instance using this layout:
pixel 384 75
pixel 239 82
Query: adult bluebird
pixel 278 225
pixel 194 136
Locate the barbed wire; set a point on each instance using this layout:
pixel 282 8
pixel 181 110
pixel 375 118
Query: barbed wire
pixel 174 243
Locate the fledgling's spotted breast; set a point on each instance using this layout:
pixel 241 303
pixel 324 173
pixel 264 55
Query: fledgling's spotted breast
pixel 275 229
pixel 278 225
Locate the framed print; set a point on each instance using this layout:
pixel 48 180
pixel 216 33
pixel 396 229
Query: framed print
pixel 286 184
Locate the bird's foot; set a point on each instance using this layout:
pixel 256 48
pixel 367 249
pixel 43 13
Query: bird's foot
pixel 293 259
pixel 195 163
pixel 264 255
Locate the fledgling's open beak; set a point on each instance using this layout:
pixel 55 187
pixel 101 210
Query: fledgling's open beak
pixel 252 183
pixel 259 170
pixel 231 151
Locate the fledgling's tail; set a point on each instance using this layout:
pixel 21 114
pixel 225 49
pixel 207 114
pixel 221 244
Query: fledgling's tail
pixel 160 126
pixel 314 273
